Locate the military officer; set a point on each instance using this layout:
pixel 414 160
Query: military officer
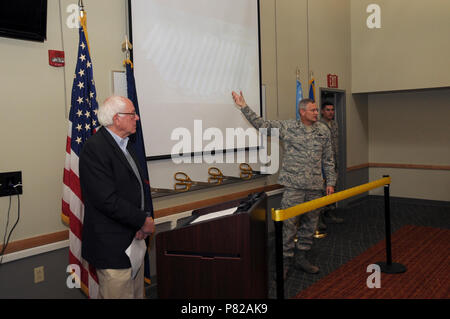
pixel 307 148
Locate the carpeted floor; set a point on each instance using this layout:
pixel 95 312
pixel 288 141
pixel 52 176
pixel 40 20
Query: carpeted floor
pixel 363 228
pixel 424 251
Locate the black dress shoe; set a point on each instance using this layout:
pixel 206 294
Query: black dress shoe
pixel 331 218
pixel 303 264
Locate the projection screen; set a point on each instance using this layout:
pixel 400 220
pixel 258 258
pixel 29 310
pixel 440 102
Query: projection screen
pixel 188 56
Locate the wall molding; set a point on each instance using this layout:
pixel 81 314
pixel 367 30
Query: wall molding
pixel 412 166
pixel 34 251
pixel 395 165
pixel 357 167
pixel 37 241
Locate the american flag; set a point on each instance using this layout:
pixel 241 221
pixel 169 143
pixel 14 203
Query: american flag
pixel 82 124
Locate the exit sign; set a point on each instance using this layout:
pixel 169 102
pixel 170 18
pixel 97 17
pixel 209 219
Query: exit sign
pixel 332 80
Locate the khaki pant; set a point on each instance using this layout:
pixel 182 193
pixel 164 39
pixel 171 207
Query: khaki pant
pixel 118 284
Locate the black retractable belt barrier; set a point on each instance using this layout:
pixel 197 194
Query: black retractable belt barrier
pixel 389 267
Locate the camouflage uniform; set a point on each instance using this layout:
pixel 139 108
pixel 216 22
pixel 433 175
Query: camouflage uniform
pixel 333 127
pixel 305 150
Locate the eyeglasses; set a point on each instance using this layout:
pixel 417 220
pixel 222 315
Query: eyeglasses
pixel 132 114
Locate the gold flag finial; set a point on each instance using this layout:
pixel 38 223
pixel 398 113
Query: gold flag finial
pixel 126 47
pixel 81 7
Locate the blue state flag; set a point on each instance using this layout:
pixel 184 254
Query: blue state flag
pixel 299 97
pixel 140 152
pixel 312 89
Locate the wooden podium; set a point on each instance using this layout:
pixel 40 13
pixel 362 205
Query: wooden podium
pixel 221 257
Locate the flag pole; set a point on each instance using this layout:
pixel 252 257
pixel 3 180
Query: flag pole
pixel 140 150
pixel 127 47
pixel 81 7
pixel 83 22
pixel 83 114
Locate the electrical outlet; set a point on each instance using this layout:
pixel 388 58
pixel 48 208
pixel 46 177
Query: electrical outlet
pixel 7 181
pixel 38 274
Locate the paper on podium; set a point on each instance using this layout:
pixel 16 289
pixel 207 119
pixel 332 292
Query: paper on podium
pixel 214 215
pixel 136 253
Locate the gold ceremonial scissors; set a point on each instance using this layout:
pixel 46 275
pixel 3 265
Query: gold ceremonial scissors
pixel 185 182
pixel 247 172
pixel 216 175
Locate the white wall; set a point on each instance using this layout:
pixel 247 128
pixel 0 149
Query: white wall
pixel 408 51
pixel 33 129
pixel 411 128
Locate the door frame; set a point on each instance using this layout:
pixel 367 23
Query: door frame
pixel 339 100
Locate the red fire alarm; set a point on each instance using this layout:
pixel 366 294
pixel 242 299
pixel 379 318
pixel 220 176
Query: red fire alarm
pixel 56 58
pixel 332 80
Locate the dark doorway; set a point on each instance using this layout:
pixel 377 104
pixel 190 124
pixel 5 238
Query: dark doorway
pixel 337 98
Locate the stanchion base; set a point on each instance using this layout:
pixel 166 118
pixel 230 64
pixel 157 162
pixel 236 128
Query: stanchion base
pixel 318 234
pixel 393 268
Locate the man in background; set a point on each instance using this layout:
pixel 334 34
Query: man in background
pixel 328 215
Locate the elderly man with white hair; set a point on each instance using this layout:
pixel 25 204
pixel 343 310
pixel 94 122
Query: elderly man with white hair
pixel 116 210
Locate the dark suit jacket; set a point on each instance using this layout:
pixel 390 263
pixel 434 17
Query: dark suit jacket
pixel 112 199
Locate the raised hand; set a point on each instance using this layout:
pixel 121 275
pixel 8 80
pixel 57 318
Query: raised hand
pixel 239 99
